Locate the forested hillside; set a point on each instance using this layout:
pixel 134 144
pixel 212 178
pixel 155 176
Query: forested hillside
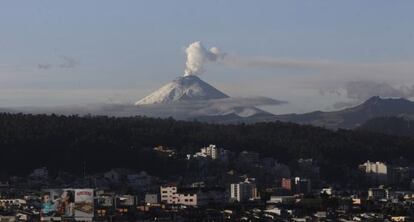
pixel 98 143
pixel 390 125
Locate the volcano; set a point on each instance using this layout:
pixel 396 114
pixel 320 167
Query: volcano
pixel 189 97
pixel 185 88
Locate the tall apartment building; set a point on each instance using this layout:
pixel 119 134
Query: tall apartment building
pixel 243 191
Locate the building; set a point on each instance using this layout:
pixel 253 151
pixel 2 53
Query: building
pixel 378 193
pixel 4 184
pixel 243 191
pixel 151 198
pixel 377 172
pixel 308 168
pixel 327 191
pixel 412 184
pixel 281 199
pixel 12 202
pixel 286 184
pixel 399 175
pixel 191 197
pixel 187 196
pixel 167 194
pixel 303 186
pixel 164 150
pixel 105 200
pixel 213 152
pixel 125 200
pixel 282 170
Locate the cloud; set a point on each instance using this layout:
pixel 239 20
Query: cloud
pixel 44 66
pixel 363 90
pixel 342 105
pixel 181 110
pixel 359 91
pixel 280 63
pixel 242 106
pixel 67 62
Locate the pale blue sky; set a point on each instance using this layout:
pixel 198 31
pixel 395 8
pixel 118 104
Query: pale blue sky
pixel 119 51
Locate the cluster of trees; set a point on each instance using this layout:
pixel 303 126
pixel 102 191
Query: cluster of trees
pixel 390 125
pixel 71 143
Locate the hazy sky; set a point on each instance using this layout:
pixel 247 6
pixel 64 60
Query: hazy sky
pixel 79 52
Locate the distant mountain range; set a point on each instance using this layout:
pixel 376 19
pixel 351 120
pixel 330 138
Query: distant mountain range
pixel 190 98
pixel 191 90
pixel 356 116
pixel 348 118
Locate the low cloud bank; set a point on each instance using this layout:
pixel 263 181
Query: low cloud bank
pixel 181 110
pixel 357 92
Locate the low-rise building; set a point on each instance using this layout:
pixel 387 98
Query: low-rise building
pixel 378 193
pixel 151 198
pixel 286 184
pixel 213 152
pixel 184 196
pixel 281 199
pixel 165 150
pixel 377 172
pixel 167 194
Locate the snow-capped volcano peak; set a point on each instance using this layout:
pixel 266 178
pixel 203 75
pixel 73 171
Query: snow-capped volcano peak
pixel 184 88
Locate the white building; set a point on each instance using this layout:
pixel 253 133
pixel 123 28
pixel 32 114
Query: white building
pixel 243 191
pixel 167 194
pixel 375 167
pixel 191 197
pixel 213 152
pixel 377 171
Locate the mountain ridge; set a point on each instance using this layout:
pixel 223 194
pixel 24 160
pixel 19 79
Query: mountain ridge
pixel 354 117
pixel 183 88
pixel 348 118
pixel 194 94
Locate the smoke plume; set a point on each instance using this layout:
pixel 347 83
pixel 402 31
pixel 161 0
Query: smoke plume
pixel 197 56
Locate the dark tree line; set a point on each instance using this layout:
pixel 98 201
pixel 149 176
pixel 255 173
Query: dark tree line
pixel 98 143
pixel 390 125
